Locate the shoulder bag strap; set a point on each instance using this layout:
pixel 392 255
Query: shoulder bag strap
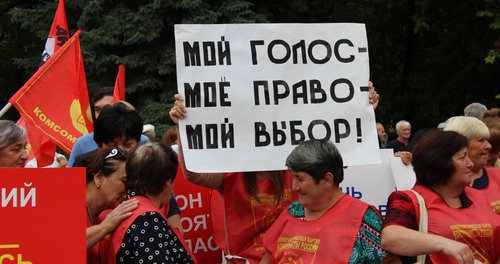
pixel 422 225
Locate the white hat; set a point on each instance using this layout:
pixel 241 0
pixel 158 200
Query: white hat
pixel 148 127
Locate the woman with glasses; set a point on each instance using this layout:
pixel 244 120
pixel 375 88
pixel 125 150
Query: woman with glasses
pixel 105 190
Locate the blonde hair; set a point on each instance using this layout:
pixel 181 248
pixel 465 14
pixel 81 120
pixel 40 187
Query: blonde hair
pixel 468 126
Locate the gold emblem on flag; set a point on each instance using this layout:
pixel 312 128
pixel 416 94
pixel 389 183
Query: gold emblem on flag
pixel 77 117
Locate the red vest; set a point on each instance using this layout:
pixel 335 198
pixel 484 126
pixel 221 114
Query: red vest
pixel 110 248
pixel 477 226
pixel 493 189
pixel 246 220
pixel 329 239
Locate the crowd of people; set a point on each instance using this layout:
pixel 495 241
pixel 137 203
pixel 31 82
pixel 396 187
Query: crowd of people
pixel 299 215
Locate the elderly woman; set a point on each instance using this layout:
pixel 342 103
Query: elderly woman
pixel 324 225
pixel 13 140
pixel 105 190
pixel 483 178
pixel 147 236
pixel 462 228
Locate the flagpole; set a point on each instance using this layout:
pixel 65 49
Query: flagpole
pixel 5 109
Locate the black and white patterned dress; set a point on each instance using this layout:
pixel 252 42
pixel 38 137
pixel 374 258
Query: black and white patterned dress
pixel 150 239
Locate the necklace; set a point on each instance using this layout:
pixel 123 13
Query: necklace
pixel 92 222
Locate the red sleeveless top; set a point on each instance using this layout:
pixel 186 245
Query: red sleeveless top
pixel 493 189
pixel 111 245
pixel 477 225
pixel 329 239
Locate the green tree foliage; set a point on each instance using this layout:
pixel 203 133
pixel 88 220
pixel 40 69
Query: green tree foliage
pixel 15 42
pixel 426 57
pixel 492 11
pixel 447 70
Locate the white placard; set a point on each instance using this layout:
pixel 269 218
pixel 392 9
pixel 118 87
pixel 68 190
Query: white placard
pixel 404 176
pixel 255 91
pixel 371 183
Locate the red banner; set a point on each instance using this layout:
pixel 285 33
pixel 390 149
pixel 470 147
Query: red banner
pixel 55 99
pixel 119 92
pixel 194 202
pixel 43 217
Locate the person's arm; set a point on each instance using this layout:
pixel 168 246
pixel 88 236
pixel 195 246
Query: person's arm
pixel 174 214
pixel 209 180
pixel 61 161
pixel 368 239
pixel 96 232
pixel 392 259
pixel 267 259
pixel 373 96
pixel 407 242
pixel 175 222
pixel 405 157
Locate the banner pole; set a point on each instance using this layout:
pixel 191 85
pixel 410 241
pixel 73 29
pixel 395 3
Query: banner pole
pixel 5 109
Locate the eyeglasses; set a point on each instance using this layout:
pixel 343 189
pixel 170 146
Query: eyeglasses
pixel 114 152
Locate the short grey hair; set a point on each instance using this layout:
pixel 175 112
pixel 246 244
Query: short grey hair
pixel 317 157
pixel 402 123
pixel 475 110
pixel 10 132
pixel 468 126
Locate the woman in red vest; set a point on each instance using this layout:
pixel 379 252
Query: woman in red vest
pixel 105 190
pixel 325 225
pixel 248 204
pixel 462 227
pixel 484 178
pixel 147 236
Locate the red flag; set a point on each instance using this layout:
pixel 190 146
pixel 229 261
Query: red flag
pixel 58 34
pixel 119 92
pixel 55 99
pixel 40 145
